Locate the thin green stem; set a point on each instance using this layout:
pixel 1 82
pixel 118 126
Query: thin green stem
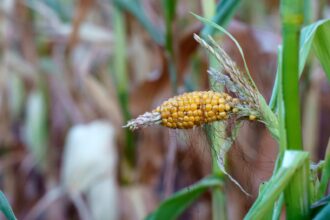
pixel 120 73
pixel 218 195
pixel 219 211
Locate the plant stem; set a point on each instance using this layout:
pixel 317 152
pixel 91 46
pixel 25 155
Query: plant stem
pixel 297 196
pixel 218 195
pixel 292 13
pixel 218 204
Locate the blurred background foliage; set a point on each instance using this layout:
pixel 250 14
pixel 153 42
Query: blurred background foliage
pixel 73 72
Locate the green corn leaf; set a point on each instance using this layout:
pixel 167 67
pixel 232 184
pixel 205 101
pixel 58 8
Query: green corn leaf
pixel 297 194
pixel 274 98
pixel 173 206
pixel 278 208
pixel 134 7
pixel 293 162
pixel 316 36
pixel 318 206
pixel 224 13
pixel 324 214
pixel 325 173
pixel 322 202
pixel 5 207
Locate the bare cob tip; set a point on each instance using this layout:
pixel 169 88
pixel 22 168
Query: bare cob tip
pixel 148 118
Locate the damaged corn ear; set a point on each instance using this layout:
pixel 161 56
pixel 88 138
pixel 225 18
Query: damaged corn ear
pixel 196 108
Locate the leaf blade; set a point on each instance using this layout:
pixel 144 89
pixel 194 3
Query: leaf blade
pixel 6 208
pixel 173 206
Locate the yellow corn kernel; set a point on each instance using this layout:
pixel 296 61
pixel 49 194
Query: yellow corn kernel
pixel 193 106
pixel 165 114
pixel 221 107
pixel 252 117
pixel 223 114
pixel 215 108
pixel 214 102
pixel 210 114
pixel 196 108
pixel 227 107
pixel 208 107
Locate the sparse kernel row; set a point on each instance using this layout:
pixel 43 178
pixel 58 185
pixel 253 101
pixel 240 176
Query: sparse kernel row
pixel 196 108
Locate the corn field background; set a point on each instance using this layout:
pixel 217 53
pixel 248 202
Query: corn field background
pixel 73 73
